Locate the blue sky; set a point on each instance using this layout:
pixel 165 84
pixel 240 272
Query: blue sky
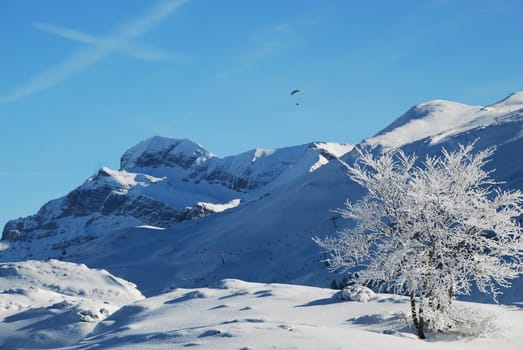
pixel 81 81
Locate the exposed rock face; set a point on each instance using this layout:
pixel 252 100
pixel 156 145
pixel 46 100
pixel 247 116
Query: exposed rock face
pixel 241 182
pixel 81 202
pixel 257 168
pixel 11 235
pixel 149 211
pixel 93 204
pixel 23 229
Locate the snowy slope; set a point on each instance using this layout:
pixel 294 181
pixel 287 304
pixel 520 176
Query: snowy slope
pixel 437 121
pixel 241 315
pixel 54 313
pixel 46 304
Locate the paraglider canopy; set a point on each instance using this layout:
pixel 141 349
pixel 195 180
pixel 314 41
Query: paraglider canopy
pixel 297 91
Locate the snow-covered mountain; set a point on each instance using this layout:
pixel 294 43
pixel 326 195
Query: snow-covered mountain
pixel 163 182
pixel 266 204
pixel 150 223
pixel 428 127
pixel 439 121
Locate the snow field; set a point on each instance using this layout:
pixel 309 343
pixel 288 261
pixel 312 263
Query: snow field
pixel 242 315
pixel 46 304
pixel 92 309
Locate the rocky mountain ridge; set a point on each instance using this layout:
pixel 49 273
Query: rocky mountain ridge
pixel 189 182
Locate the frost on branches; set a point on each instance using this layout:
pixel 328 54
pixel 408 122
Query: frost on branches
pixel 430 231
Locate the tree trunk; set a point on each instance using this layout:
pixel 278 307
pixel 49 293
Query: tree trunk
pixel 421 324
pixel 413 310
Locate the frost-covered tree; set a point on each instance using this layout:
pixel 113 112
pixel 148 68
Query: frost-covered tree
pixel 430 231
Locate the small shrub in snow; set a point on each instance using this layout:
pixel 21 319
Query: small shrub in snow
pixel 88 316
pixel 463 321
pixel 93 316
pixel 358 293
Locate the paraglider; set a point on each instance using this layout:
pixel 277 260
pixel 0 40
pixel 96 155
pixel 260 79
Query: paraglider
pixel 297 91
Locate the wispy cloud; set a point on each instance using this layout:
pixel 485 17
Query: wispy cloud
pixel 81 60
pixel 133 49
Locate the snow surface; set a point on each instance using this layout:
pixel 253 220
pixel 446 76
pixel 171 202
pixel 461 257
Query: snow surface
pixel 242 315
pixel 91 309
pixel 218 208
pixel 47 304
pixel 122 181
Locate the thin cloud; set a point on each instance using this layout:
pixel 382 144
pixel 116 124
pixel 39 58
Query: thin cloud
pixel 81 60
pixel 133 49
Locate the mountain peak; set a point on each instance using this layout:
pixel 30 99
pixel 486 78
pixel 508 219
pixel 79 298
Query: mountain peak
pixel 515 98
pixel 424 120
pixel 438 119
pixel 423 111
pixel 158 152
